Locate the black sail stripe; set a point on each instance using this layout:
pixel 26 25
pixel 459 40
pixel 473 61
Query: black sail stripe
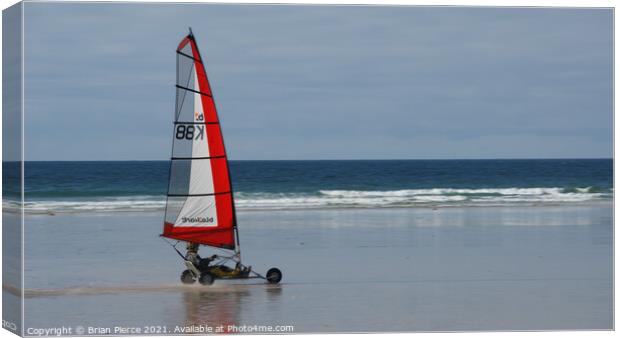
pixel 195 91
pixel 188 56
pixel 180 122
pixel 197 158
pixel 199 195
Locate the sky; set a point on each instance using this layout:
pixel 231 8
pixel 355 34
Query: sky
pixel 323 82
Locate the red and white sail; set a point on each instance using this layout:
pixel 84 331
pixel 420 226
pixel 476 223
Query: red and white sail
pixel 200 206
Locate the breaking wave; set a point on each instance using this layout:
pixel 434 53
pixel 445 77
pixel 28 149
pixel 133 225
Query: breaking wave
pixel 424 198
pixel 104 204
pixel 437 197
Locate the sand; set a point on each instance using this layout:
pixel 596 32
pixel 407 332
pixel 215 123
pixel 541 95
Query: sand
pixel 349 270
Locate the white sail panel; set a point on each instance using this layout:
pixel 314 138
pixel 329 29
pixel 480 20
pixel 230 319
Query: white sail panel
pixel 201 179
pixel 198 211
pixel 191 179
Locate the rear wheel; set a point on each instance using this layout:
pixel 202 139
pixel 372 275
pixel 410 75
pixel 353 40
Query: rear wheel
pixel 206 279
pixel 187 277
pixel 274 276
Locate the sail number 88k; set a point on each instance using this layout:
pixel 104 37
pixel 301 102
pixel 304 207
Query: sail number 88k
pixel 190 132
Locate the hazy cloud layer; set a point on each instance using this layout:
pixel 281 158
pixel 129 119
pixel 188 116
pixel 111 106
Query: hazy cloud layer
pixel 318 82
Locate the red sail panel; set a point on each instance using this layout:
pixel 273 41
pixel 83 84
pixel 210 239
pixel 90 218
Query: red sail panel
pixel 200 205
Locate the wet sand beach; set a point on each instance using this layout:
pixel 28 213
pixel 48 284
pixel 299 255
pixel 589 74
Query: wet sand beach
pixel 346 270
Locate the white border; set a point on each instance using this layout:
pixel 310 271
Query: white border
pixel 481 3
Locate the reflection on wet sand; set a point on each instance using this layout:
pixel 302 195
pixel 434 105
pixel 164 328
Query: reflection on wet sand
pixel 222 305
pixel 273 292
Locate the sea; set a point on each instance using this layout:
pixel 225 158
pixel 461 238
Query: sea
pixel 124 186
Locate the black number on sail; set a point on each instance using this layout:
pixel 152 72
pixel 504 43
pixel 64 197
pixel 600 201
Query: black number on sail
pixel 180 132
pixel 187 132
